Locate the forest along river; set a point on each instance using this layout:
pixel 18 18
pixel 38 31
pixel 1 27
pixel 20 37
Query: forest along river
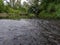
pixel 29 32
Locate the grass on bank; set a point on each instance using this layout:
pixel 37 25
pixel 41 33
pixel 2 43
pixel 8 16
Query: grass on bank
pixel 42 15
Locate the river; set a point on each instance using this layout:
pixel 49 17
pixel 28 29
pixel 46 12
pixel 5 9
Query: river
pixel 29 32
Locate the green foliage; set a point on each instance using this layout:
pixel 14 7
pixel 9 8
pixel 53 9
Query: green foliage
pixel 57 7
pixel 48 9
pixel 51 8
pixel 1 6
pixel 31 16
pixel 34 8
pixel 45 15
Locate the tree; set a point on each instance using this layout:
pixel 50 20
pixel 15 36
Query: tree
pixel 48 5
pixel 31 2
pixel 35 8
pixel 1 6
pixel 12 2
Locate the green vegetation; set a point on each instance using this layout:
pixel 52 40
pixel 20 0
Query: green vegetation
pixel 45 9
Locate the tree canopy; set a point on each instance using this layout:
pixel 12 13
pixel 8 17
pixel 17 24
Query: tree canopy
pixel 36 7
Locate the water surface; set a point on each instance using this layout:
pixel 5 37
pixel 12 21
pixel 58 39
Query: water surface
pixel 29 32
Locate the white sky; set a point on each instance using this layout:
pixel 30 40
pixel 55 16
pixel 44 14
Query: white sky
pixel 21 1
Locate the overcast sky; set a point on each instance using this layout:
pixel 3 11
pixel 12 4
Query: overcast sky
pixel 21 1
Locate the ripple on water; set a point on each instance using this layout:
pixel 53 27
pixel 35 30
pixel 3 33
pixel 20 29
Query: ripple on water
pixel 29 32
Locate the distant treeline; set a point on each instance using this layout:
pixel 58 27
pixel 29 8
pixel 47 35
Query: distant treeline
pixel 47 9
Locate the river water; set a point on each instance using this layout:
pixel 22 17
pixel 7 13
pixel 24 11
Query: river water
pixel 29 32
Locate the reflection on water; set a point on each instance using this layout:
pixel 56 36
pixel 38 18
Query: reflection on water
pixel 29 32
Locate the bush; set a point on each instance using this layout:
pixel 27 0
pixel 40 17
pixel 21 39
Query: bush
pixel 31 16
pixel 46 15
pixel 51 8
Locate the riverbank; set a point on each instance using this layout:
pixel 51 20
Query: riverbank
pixel 28 16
